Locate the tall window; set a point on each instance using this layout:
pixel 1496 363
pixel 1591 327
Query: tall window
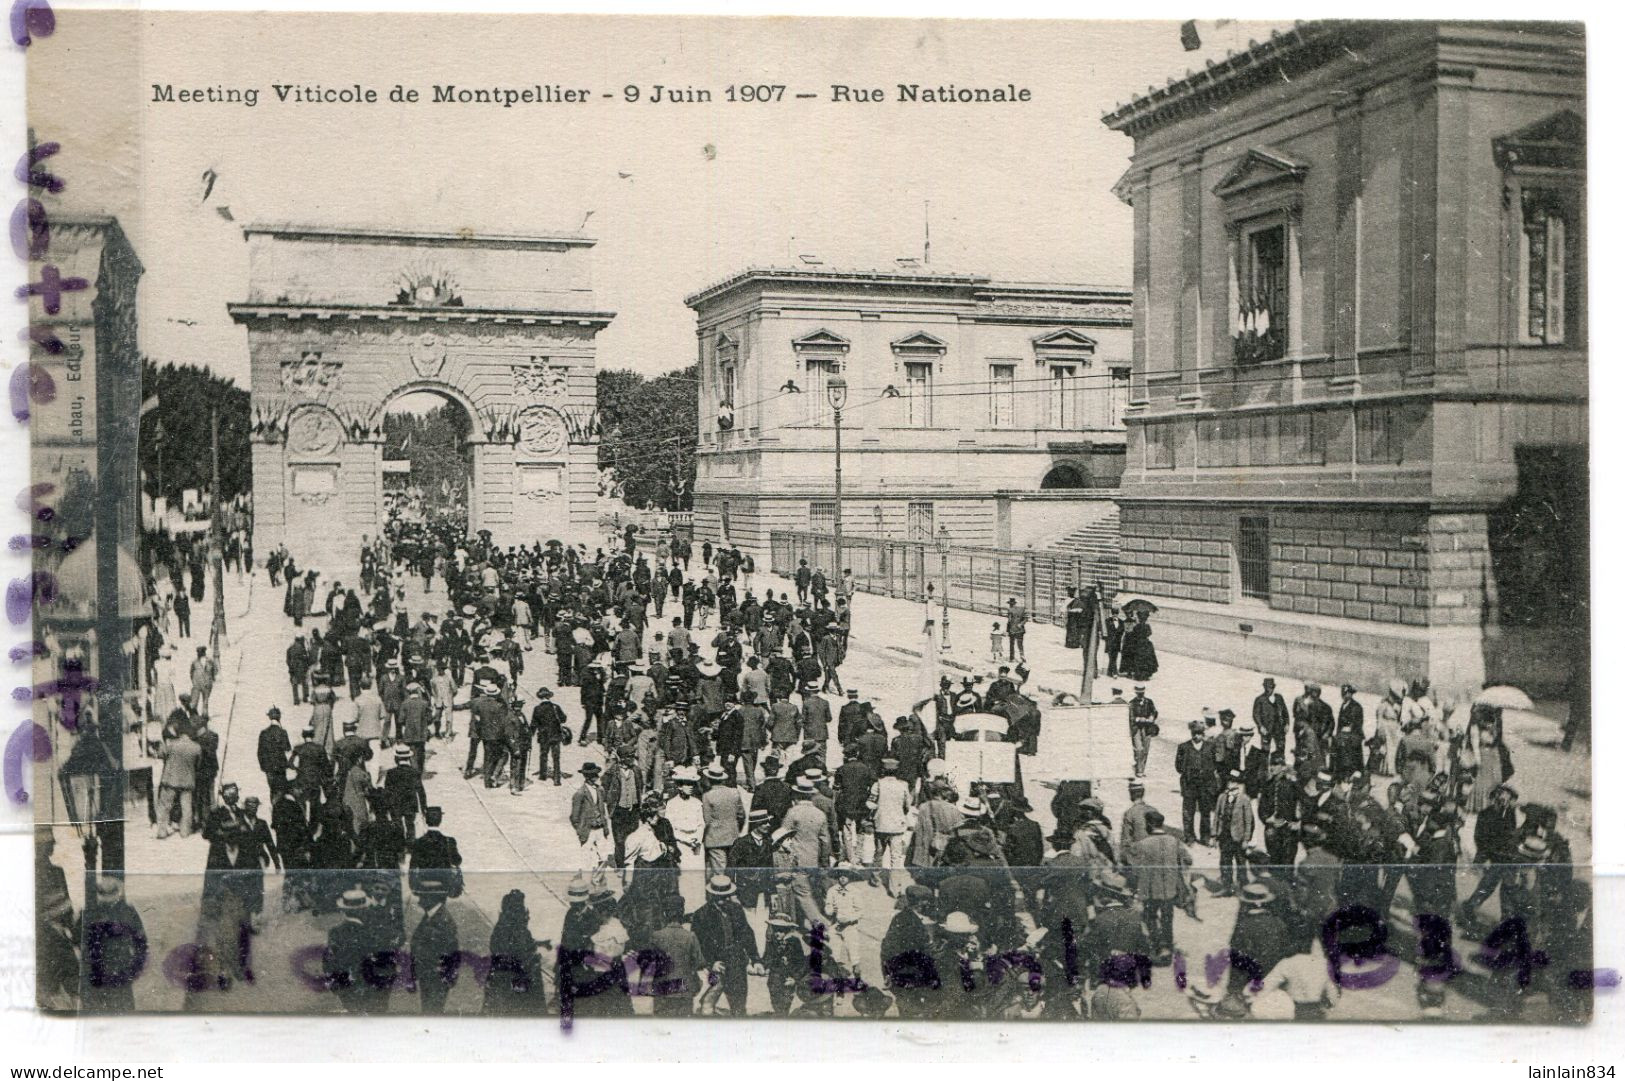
pixel 917 393
pixel 816 392
pixel 1001 396
pixel 1117 398
pixel 728 384
pixel 1261 307
pixel 1253 555
pixel 1065 396
pixel 922 521
pixel 1549 264
pixel 821 516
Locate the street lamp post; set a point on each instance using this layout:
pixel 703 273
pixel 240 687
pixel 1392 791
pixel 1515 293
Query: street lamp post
pixel 942 548
pixel 836 388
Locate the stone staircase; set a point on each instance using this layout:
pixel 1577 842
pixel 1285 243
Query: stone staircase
pixel 1097 545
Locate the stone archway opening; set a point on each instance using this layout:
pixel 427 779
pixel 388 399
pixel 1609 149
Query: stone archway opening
pixel 1063 476
pixel 428 457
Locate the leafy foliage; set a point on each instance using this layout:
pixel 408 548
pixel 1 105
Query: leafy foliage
pixel 650 429
pixel 433 443
pixel 177 431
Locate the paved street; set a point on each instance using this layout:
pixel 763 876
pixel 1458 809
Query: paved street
pixel 525 841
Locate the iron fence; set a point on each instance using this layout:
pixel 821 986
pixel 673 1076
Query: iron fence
pixel 977 579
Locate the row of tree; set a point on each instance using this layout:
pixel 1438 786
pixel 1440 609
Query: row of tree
pixel 175 434
pixel 649 430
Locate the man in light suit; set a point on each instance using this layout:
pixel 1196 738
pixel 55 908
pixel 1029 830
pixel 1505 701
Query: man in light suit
pixel 1159 865
pixel 891 821
pixel 724 815
pixel 1233 826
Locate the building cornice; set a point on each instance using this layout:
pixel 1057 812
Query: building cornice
pixel 252 311
pixel 457 239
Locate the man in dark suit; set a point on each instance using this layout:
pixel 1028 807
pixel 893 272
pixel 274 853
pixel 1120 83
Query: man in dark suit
pixel 1495 845
pixel 1114 641
pixel 1142 718
pixel 273 751
pixel 1270 717
pixel 726 941
pixel 1351 714
pixel 434 945
pixel 1198 771
pixel 403 793
pixel 312 771
pixel 1278 809
pixel 750 858
pixel 772 794
pixel 435 854
pixel 1309 712
pixel 551 729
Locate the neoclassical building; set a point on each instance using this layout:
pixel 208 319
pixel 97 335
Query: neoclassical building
pixel 343 322
pixel 991 408
pixel 1358 428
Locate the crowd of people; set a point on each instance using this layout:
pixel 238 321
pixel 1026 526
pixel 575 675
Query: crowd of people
pixel 735 827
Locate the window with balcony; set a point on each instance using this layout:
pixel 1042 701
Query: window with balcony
pixel 1261 308
pixel 1001 396
pixel 1262 199
pixel 815 393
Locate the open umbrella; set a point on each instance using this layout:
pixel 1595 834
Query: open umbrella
pixel 1138 605
pixel 1503 698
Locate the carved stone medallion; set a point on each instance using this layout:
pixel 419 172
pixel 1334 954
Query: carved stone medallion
pixel 314 433
pixel 542 433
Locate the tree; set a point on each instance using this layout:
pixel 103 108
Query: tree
pixel 434 443
pixel 174 442
pixel 650 430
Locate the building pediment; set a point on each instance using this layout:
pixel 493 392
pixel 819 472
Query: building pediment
pixel 920 344
pixel 1261 167
pixel 821 341
pixel 1557 142
pixel 726 341
pixel 1068 341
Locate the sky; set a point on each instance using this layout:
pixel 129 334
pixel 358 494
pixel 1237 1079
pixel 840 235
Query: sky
pixel 678 197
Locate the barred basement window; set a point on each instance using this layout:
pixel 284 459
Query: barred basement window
pixel 821 516
pixel 1253 555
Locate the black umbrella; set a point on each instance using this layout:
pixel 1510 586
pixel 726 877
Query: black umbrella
pixel 1138 605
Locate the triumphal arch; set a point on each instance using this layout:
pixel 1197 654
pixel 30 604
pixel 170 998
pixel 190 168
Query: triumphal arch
pixel 343 323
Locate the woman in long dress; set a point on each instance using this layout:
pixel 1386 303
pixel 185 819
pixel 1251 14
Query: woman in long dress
pixel 1075 628
pixel 1139 655
pixel 1484 739
pixel 1388 726
pixel 515 985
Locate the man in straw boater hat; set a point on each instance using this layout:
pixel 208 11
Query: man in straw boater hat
pixel 352 944
pixel 727 943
